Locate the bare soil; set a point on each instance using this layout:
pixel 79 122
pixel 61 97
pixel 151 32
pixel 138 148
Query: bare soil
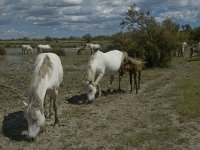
pixel 118 120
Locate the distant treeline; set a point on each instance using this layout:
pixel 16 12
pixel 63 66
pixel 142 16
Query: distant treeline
pixel 68 42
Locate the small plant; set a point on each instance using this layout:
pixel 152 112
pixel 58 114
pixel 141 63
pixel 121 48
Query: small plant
pixel 2 51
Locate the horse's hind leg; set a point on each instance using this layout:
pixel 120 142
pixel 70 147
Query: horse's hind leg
pixel 131 81
pixel 135 82
pixel 50 107
pixel 55 96
pixel 120 79
pixel 111 81
pixel 139 78
pixel 99 90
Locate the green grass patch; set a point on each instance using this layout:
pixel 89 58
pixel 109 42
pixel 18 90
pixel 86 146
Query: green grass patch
pixel 188 91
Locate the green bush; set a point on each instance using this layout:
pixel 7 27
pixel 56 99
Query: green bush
pixel 151 55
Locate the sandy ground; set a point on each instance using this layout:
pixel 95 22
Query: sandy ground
pixel 147 120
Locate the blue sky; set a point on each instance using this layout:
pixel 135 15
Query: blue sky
pixel 64 18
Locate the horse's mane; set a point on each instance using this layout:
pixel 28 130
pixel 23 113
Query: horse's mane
pixel 90 72
pixel 135 63
pixel 42 68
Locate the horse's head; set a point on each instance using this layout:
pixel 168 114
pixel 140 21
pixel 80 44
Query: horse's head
pixel 91 90
pixel 35 118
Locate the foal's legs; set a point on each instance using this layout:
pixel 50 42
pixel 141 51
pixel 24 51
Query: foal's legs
pixel 135 81
pixel 139 78
pixel 131 82
pixel 120 78
pixel 55 96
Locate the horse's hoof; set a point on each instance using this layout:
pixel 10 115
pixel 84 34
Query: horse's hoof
pixel 50 115
pixel 57 124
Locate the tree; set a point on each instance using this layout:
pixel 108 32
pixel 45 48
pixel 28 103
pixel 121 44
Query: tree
pixel 150 39
pixel 87 38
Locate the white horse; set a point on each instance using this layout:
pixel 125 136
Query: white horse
pixel 47 76
pixel 40 48
pixel 198 49
pixel 93 47
pixel 27 49
pixel 184 44
pixel 101 64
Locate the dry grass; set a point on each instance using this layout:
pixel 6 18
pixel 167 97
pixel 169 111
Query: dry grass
pixel 148 120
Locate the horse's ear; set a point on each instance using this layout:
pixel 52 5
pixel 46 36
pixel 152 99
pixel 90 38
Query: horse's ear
pixel 25 104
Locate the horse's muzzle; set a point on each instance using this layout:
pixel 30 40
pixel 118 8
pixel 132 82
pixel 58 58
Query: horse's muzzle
pixel 31 139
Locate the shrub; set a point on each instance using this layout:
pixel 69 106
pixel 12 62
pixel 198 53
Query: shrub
pixel 2 51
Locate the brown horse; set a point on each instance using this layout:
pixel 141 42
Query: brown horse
pixel 134 67
pixel 81 49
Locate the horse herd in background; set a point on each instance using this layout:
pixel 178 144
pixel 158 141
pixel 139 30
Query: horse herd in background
pixel 26 49
pixel 193 49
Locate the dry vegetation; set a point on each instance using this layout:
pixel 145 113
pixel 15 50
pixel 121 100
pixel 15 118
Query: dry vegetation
pixel 164 114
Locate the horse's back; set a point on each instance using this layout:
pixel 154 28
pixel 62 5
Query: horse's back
pixel 108 62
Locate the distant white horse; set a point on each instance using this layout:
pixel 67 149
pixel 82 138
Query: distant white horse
pixel 26 49
pixel 181 50
pixel 93 47
pixel 184 44
pixel 47 76
pixel 101 64
pixel 198 49
pixel 40 48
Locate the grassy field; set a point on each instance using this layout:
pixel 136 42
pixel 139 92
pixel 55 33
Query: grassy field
pixel 164 115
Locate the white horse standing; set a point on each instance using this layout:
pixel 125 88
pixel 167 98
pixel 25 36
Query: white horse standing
pixel 93 47
pixel 198 49
pixel 101 64
pixel 47 76
pixel 184 44
pixel 40 48
pixel 26 49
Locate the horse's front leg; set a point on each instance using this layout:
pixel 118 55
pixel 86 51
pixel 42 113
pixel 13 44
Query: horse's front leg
pixel 55 96
pixel 99 90
pixel 98 80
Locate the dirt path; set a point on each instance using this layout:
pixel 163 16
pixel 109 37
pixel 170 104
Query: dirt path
pixel 119 120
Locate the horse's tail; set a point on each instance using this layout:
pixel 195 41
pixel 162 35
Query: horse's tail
pixel 45 67
pixel 42 68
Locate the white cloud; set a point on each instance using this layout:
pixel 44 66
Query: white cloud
pixel 90 15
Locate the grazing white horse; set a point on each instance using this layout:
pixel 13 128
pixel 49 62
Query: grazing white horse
pixel 101 64
pixel 93 47
pixel 40 48
pixel 26 49
pixel 47 76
